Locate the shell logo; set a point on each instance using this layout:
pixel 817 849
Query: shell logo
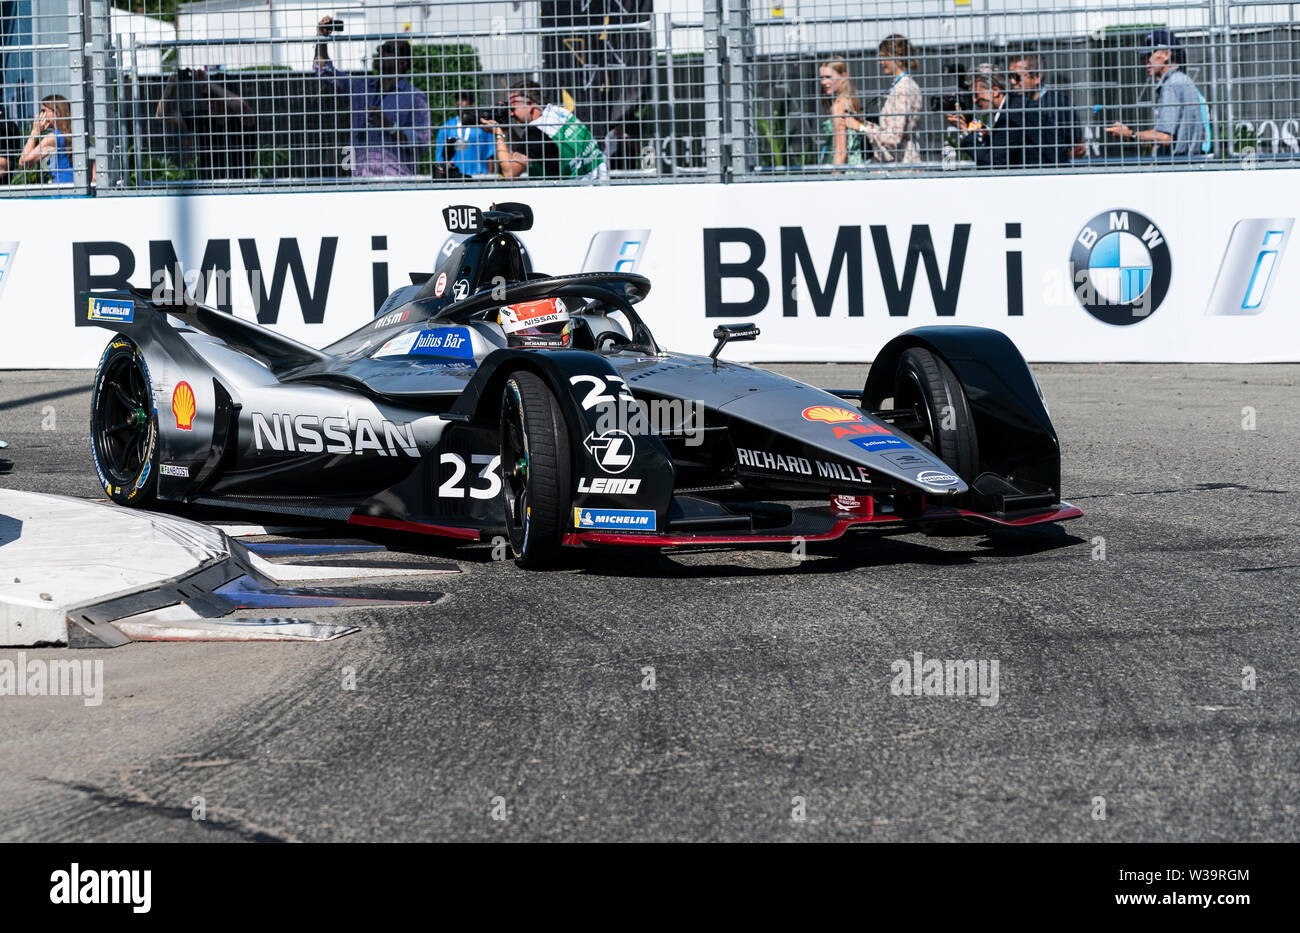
pixel 830 414
pixel 183 406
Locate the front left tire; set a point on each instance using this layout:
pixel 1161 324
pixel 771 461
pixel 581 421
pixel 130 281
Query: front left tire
pixel 535 470
pixel 124 425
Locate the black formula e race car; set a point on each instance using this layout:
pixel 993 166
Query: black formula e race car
pixel 487 399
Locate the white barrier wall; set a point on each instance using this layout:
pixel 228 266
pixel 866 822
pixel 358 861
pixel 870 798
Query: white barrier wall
pixel 1170 266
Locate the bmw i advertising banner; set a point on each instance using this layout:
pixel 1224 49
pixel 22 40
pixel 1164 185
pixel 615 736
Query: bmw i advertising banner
pixel 1171 266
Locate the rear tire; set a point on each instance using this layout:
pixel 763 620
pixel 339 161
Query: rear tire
pixel 124 425
pixel 535 470
pixel 925 382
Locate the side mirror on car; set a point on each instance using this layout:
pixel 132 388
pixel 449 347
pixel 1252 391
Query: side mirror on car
pixel 724 333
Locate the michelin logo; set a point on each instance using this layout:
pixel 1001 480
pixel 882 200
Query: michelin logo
pixel 615 519
pixel 112 310
pixel 1250 266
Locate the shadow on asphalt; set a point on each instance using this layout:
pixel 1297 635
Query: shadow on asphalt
pixel 857 553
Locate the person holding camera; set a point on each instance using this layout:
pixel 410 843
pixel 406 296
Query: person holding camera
pixel 1003 141
pixel 462 148
pixel 1181 120
pixel 556 144
pixel 391 128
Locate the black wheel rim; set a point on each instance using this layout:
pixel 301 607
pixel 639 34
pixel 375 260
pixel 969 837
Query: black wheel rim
pixel 910 395
pixel 123 418
pixel 514 466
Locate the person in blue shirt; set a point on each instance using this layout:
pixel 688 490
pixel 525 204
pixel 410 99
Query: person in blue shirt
pixel 50 141
pixel 390 117
pixel 462 147
pixel 1181 124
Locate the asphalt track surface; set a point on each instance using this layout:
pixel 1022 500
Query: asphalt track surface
pixel 1120 678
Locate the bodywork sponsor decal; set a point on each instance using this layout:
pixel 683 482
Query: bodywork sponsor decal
pixel 308 434
pixel 174 469
pixel 613 450
pixel 453 342
pixel 388 320
pixel 936 478
pixel 184 406
pixel 830 414
pixel 112 310
pixel 908 461
pixel 615 519
pixel 802 466
pixel 448 341
pixel 872 444
pixel 398 346
pixel 608 484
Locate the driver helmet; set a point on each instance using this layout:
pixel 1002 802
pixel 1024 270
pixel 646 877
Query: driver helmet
pixel 543 324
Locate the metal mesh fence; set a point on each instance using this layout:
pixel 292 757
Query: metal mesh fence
pixel 43 112
pixel 257 94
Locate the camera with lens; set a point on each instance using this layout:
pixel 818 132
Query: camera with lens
pixel 498 112
pixel 334 25
pixel 962 98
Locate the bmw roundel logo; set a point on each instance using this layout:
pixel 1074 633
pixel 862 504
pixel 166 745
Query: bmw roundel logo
pixel 1120 267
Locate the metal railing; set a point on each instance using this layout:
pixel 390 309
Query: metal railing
pixel 244 95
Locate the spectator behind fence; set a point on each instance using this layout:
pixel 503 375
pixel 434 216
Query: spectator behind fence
pixel 556 144
pixel 390 117
pixel 894 138
pixel 462 147
pixel 1002 141
pixel 840 147
pixel 209 122
pixel 11 147
pixel 50 140
pixel 1181 121
pixel 1049 111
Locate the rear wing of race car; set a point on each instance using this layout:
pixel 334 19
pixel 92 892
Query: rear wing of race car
pixel 135 312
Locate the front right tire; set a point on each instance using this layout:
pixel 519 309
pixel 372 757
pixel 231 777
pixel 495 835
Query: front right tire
pixel 927 385
pixel 535 468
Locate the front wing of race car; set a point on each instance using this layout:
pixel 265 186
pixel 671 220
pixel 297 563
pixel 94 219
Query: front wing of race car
pixel 816 524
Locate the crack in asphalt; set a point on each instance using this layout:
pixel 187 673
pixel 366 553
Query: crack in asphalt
pixel 1199 487
pixel 148 807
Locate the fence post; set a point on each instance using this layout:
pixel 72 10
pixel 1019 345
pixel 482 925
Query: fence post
pixel 717 156
pixel 99 22
pixel 740 86
pixel 78 88
pixel 1229 111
